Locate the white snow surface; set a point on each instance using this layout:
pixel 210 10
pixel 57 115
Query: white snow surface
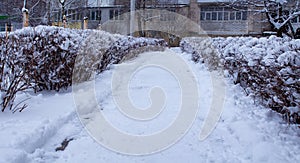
pixel 244 133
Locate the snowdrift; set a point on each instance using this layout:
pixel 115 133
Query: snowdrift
pixel 268 69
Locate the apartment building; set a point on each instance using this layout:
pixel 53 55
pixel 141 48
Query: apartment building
pixel 216 17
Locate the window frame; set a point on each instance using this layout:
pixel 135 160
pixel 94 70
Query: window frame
pixel 217 13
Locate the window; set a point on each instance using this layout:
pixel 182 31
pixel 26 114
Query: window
pixel 111 14
pixel 225 15
pixel 216 13
pixel 214 16
pixel 238 15
pixel 245 15
pixel 93 15
pixel 115 14
pixel 202 16
pixel 73 15
pixel 232 16
pixel 98 15
pixel 220 15
pixel 79 16
pixel 208 16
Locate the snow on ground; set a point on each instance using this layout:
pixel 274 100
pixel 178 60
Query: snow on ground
pixel 244 133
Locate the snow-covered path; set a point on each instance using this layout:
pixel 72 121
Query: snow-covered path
pixel 244 133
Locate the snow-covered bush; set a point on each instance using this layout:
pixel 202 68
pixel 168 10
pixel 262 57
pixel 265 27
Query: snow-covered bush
pixel 51 53
pixel 12 74
pixel 98 54
pixel 40 58
pixel 91 53
pixel 129 47
pixel 202 50
pixel 43 58
pixel 267 68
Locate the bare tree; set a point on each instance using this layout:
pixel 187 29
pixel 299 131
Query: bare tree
pixel 13 9
pixel 279 13
pixel 37 12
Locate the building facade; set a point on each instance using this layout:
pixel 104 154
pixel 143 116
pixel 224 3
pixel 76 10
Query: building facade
pixel 224 20
pixel 215 17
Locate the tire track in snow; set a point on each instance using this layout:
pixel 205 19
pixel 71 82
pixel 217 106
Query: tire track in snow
pixel 40 136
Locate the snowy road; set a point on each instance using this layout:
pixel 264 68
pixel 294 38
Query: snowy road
pixel 244 133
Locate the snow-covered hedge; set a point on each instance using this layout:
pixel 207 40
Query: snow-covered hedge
pixel 97 54
pixel 43 58
pixel 267 68
pixel 202 50
pixel 132 47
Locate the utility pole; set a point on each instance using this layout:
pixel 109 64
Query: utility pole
pixel 85 15
pixel 143 19
pixel 62 2
pixel 25 15
pixel 49 12
pixel 132 16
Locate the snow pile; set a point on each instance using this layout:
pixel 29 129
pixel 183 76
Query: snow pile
pixel 268 69
pixel 43 58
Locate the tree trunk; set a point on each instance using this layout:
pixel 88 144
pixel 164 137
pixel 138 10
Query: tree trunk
pixel 280 32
